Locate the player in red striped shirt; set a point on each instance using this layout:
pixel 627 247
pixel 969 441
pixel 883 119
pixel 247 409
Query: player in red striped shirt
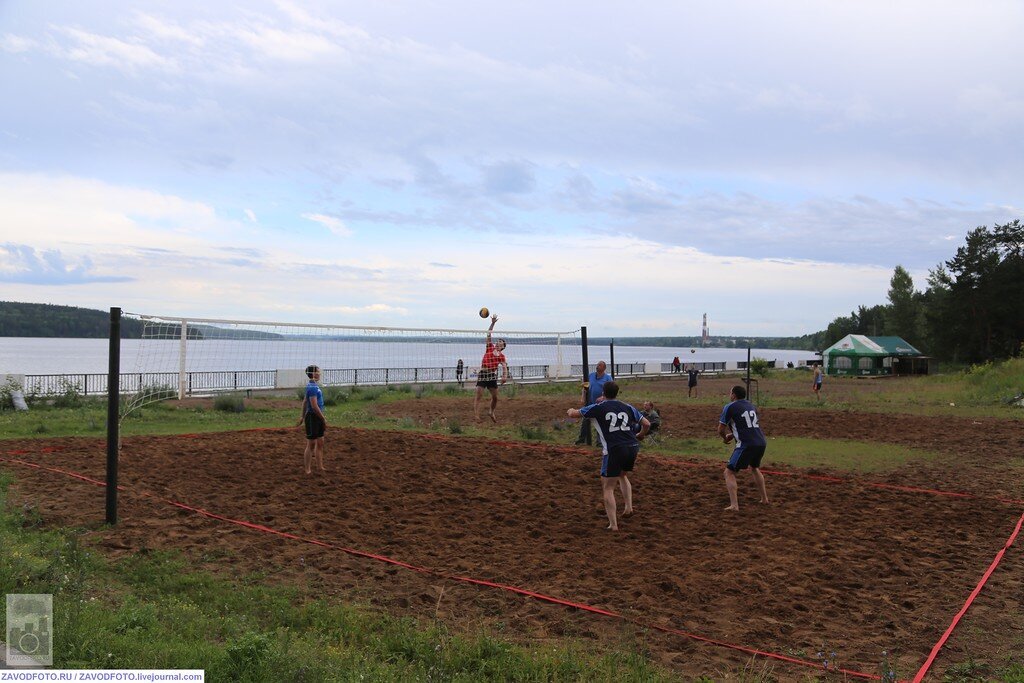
pixel 492 363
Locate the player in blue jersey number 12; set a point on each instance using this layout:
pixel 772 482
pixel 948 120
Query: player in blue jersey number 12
pixel 740 416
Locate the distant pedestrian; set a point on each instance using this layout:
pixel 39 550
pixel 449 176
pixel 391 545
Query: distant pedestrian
pixel 691 382
pixel 816 385
pixel 595 389
pixel 676 365
pixel 313 419
pixel 459 369
pixel 620 445
pixel 740 415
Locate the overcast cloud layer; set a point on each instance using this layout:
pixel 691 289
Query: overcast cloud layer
pixel 404 163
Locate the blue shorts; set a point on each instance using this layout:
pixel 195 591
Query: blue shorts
pixel 746 456
pixel 619 459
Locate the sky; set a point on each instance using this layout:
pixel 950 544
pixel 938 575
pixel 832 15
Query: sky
pixel 624 166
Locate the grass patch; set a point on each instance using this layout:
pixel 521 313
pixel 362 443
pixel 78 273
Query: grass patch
pixel 834 454
pixel 151 610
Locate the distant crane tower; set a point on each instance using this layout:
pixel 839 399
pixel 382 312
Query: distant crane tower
pixel 704 335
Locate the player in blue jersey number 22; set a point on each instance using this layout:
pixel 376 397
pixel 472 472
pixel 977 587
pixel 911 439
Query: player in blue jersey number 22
pixel 621 428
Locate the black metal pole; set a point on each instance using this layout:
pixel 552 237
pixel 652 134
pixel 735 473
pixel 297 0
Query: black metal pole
pixel 113 403
pixel 748 373
pixel 611 357
pixel 586 380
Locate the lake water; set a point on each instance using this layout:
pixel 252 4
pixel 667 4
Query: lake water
pixel 44 356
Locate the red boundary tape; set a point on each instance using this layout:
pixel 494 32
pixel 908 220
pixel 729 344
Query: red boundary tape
pixel 908 489
pixel 453 577
pixel 963 610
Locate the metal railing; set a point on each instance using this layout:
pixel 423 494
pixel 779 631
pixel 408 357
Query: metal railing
pixel 205 382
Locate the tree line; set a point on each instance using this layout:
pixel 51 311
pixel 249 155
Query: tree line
pixel 971 311
pixel 49 320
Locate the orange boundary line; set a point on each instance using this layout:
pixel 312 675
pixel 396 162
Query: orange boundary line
pixel 571 450
pixel 453 577
pixel 963 610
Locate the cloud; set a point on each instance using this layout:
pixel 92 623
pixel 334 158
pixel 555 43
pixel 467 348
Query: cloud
pixel 509 177
pixel 23 264
pixel 251 215
pixel 16 44
pixel 335 225
pixel 106 51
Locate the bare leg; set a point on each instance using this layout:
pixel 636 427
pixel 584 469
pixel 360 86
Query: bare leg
pixel 494 404
pixel 759 479
pixel 627 495
pixel 307 457
pixel 608 488
pixel 476 402
pixel 730 485
pixel 319 450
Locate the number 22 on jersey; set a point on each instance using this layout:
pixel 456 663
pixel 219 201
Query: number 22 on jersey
pixel 615 425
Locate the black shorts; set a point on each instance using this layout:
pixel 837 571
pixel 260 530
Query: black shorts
pixel 619 459
pixel 488 379
pixel 315 427
pixel 746 456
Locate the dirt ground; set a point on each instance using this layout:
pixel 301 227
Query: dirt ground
pixel 828 566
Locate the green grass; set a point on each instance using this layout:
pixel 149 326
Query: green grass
pixel 834 454
pixel 152 610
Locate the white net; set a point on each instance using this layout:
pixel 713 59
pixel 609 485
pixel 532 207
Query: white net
pixel 190 357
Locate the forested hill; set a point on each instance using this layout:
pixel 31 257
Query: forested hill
pixel 47 320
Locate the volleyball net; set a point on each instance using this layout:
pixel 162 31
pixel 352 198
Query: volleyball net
pixel 180 357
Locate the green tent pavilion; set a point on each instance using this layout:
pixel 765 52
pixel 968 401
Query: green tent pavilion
pixel 859 355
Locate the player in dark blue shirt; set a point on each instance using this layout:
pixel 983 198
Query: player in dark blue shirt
pixel 741 417
pixel 620 444
pixel 313 419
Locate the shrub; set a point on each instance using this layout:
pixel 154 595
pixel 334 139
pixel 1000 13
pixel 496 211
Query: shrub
pixel 230 403
pixel 454 425
pixel 759 366
pixel 158 392
pixel 334 395
pixel 371 394
pixel 7 391
pixel 70 395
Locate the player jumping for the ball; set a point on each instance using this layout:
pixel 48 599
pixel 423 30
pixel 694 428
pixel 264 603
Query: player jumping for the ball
pixel 493 362
pixel 741 416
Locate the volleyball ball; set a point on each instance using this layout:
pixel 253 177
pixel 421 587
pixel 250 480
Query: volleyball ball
pixel 484 312
pixel 693 350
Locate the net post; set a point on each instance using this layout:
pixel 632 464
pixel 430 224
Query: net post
pixel 611 356
pixel 586 379
pixel 748 373
pixel 183 347
pixel 558 353
pixel 113 400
